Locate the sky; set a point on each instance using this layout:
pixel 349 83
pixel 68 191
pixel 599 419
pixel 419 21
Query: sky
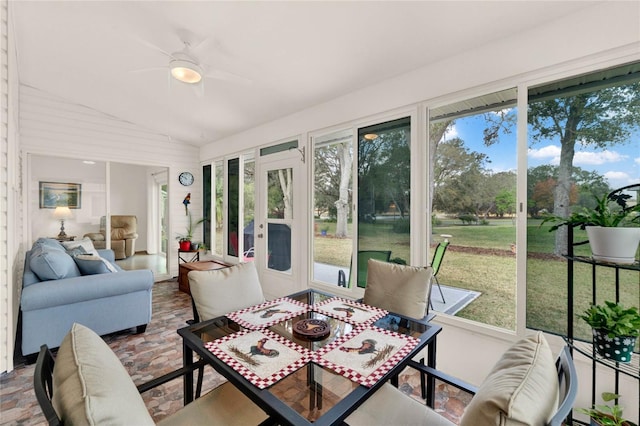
pixel 619 164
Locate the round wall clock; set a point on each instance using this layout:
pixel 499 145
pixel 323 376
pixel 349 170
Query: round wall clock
pixel 185 178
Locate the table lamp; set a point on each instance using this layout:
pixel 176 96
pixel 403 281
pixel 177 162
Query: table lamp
pixel 62 213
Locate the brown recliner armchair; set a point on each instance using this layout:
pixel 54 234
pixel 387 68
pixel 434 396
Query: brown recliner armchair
pixel 123 236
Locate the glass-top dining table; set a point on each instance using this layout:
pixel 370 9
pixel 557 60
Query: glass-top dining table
pixel 310 357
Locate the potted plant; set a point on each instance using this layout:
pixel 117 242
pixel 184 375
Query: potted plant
pixel 606 415
pixel 611 226
pixel 185 239
pixel 615 329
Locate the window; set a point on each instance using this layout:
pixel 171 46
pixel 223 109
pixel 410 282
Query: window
pixel 249 197
pixel 472 167
pixel 583 136
pixel 213 184
pixel 332 213
pixel 384 189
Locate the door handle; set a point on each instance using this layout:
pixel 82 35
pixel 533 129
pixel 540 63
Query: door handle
pixel 260 235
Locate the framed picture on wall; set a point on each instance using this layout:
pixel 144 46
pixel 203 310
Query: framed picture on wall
pixel 55 194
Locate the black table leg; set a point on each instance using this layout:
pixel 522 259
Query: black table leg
pixel 431 381
pixel 187 360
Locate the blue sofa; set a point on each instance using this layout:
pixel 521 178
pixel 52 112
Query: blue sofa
pixel 102 300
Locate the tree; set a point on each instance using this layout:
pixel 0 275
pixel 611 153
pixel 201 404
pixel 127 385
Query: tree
pixel 505 202
pixel 436 132
pixel 457 173
pixel 345 161
pixel 332 182
pixel 597 119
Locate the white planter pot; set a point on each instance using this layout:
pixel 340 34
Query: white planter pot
pixel 618 245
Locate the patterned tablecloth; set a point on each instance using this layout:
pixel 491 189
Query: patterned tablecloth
pixel 262 357
pixel 269 313
pixel 349 311
pixel 366 354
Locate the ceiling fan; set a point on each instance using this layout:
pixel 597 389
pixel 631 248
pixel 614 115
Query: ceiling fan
pixel 185 67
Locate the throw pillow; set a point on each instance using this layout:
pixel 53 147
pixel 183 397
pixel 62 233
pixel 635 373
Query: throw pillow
pixel 85 243
pixel 76 251
pixel 521 389
pixel 91 385
pixel 52 264
pixel 401 289
pixel 90 264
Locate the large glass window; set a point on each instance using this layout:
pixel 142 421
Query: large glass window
pixel 472 152
pixel 233 204
pixel 584 140
pixel 213 196
pixel 249 197
pixel 384 192
pixel 332 213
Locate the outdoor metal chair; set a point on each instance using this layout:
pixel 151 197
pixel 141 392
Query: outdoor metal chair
pixel 363 260
pixel 436 262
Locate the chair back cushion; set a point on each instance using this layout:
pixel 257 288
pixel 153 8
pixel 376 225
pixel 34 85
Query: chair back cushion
pixel 398 288
pixel 91 386
pixel 123 226
pixel 521 389
pixel 221 291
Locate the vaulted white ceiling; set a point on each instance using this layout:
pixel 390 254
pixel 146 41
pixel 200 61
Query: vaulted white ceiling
pixel 276 57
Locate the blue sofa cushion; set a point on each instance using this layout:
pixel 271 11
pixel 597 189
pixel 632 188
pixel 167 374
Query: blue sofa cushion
pixel 49 242
pixel 52 264
pixel 92 265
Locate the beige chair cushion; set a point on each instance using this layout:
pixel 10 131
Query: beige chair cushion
pixel 224 405
pixel 389 406
pixel 398 288
pixel 521 389
pixel 221 291
pixel 91 386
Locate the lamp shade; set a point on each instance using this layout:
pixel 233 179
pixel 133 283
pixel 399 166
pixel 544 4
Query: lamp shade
pixel 62 213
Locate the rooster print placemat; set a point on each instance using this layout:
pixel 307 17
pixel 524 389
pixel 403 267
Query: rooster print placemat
pixel 262 357
pixel 266 314
pixel 366 354
pixel 350 311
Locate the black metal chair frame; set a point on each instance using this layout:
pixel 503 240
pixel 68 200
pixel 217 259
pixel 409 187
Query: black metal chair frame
pixel 43 382
pixel 567 379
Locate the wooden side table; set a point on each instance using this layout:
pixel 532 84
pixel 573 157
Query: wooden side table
pixel 186 267
pixel 186 256
pixel 67 238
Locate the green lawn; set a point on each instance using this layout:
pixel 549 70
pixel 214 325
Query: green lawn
pixel 495 275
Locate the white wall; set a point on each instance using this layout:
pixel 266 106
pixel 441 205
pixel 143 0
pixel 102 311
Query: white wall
pixel 67 170
pixel 129 196
pixel 11 219
pixel 128 189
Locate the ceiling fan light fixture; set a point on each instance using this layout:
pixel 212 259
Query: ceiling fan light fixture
pixel 186 71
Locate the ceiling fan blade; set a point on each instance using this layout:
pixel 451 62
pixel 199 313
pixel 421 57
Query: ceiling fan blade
pixel 227 76
pixel 151 45
pixel 141 70
pixel 198 89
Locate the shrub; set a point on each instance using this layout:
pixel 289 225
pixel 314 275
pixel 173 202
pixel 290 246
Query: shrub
pixel 401 226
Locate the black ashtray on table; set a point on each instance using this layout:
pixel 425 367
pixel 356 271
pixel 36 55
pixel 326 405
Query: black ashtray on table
pixel 312 329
